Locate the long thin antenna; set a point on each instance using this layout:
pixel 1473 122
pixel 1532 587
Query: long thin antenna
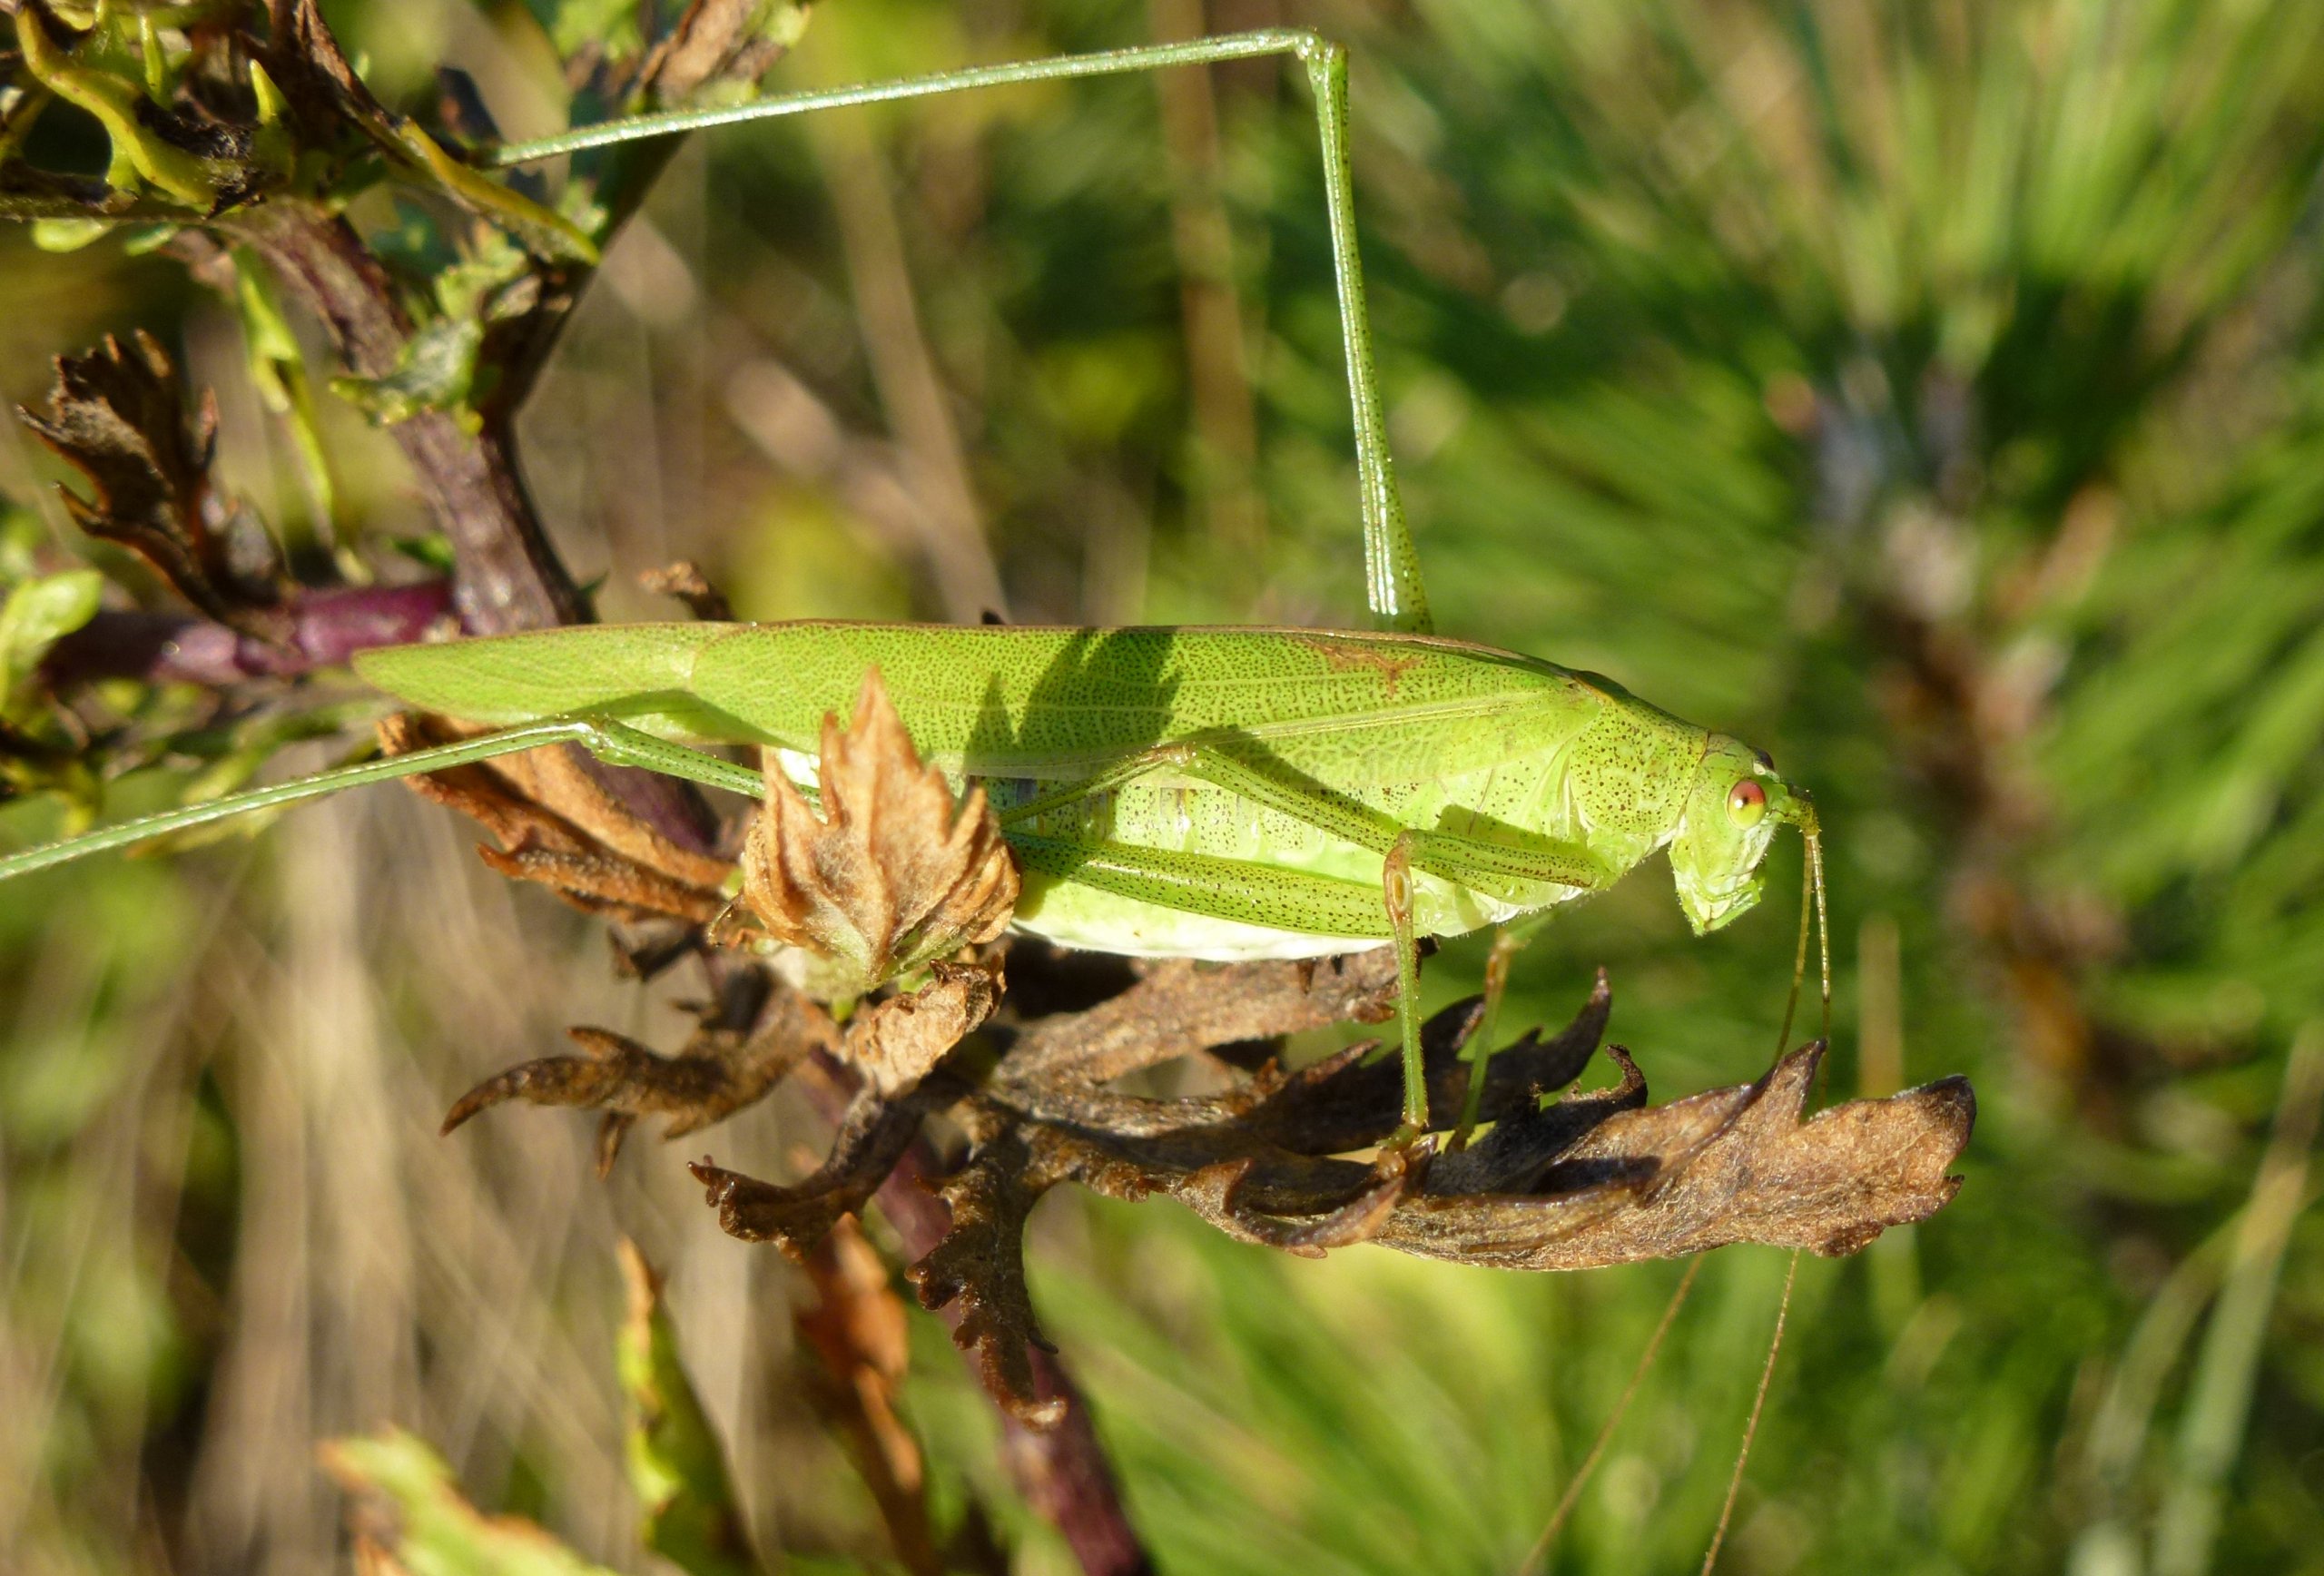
pixel 1572 1495
pixel 1751 1427
pixel 612 743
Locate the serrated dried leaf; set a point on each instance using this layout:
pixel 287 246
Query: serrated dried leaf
pixel 721 1071
pixel 1218 1194
pixel 872 1136
pixel 1735 1165
pixel 981 1264
pixel 1181 1007
pixel 890 873
pixel 118 416
pixel 325 97
pixel 560 827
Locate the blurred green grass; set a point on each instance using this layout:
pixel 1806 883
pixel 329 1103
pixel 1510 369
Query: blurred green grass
pixel 1933 394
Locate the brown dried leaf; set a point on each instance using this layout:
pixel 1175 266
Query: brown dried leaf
pixel 1735 1165
pixel 722 41
pixel 891 874
pixel 720 1071
pixel 896 1043
pixel 872 1136
pixel 684 580
pixel 1349 1100
pixel 1181 1007
pixel 557 825
pixel 118 416
pixel 981 1264
pixel 1594 1178
pixel 1217 1193
pixel 326 97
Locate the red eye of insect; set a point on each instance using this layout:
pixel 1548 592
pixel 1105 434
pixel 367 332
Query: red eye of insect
pixel 1747 801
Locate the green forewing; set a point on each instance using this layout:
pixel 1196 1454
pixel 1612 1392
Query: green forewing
pixel 1351 709
pixel 641 674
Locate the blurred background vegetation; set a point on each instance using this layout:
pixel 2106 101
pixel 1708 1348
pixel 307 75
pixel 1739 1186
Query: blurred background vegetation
pixel 1931 393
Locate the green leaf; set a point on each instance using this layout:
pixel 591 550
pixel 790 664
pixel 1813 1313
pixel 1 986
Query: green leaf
pixel 86 78
pixel 436 372
pixel 573 26
pixel 542 231
pixel 278 367
pixel 675 1463
pixel 488 280
pixel 37 615
pixel 475 284
pixel 437 1532
pixel 67 234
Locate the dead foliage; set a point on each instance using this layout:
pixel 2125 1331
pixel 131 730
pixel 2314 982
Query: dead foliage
pixel 684 580
pixel 1283 1158
pixel 119 416
pixel 895 1043
pixel 890 873
pixel 559 824
pixel 720 1071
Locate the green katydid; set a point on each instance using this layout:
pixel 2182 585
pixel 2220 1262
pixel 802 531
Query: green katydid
pixel 1215 792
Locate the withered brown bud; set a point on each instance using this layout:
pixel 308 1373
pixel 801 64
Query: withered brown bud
pixel 893 872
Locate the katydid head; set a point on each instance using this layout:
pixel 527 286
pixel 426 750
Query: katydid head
pixel 1734 805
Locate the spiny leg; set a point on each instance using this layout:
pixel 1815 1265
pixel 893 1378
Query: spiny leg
pixel 1391 567
pixel 1811 886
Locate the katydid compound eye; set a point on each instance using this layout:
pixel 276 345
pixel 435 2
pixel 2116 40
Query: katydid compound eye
pixel 1747 801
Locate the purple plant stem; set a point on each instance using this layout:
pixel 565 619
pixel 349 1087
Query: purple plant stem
pixel 325 628
pixel 1062 1470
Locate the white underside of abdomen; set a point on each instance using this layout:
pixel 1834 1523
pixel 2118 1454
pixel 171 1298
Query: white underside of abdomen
pixel 1165 933
pixel 1076 916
